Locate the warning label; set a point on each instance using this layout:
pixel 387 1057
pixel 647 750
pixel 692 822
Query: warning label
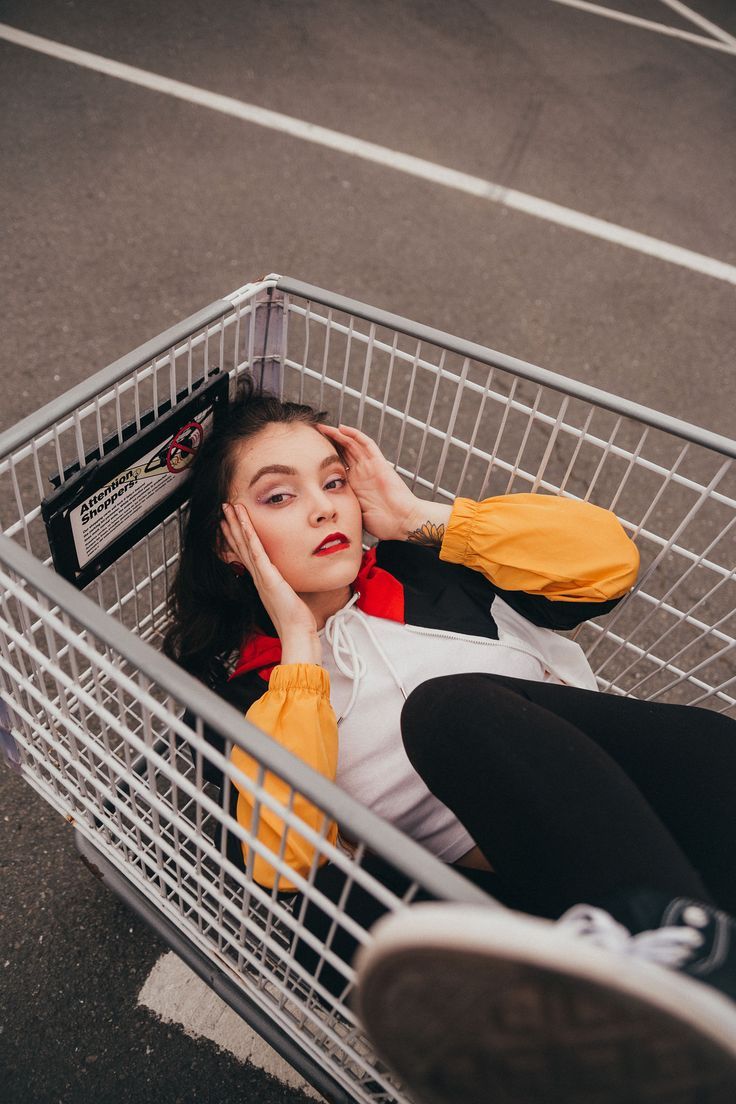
pixel 110 511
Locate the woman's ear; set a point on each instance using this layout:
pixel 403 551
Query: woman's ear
pixel 223 550
pixel 226 554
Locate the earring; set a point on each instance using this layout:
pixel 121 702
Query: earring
pixel 237 568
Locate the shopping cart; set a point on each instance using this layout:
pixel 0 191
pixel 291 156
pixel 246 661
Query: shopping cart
pixel 112 734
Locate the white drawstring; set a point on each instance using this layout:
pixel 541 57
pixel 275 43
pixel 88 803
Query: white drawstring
pixel 347 658
pixel 668 946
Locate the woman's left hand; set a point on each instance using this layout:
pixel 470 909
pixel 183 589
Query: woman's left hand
pixel 389 508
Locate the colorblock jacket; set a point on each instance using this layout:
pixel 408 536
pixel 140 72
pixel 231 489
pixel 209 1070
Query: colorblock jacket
pixel 510 571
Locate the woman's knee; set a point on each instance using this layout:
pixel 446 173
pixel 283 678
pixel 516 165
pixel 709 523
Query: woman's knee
pixel 430 704
pixel 443 713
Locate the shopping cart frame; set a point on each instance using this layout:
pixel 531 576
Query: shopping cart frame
pixel 266 364
pixel 440 880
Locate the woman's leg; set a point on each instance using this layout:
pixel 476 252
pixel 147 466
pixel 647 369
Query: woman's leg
pixel 558 818
pixel 681 758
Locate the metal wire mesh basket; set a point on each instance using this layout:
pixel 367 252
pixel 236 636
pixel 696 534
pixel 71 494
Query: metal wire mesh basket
pixel 111 733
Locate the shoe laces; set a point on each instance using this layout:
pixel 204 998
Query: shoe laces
pixel 667 946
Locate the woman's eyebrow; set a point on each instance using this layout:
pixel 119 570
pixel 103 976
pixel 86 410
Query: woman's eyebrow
pixel 282 469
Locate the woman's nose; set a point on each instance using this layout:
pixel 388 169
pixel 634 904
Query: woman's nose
pixel 323 507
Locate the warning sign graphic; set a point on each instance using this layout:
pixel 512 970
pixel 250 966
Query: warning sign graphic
pixel 134 492
pixel 184 445
pixel 112 502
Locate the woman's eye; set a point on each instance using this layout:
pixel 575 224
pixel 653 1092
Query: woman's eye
pixel 278 498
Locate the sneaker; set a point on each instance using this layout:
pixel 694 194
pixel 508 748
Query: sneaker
pixel 472 1005
pixel 684 934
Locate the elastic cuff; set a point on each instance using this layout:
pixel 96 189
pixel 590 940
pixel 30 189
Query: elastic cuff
pixel 454 548
pixel 300 676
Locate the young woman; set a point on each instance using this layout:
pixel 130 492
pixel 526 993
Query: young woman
pixel 426 677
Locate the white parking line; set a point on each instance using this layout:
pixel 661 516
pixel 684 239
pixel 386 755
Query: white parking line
pixel 381 155
pixel 176 995
pixel 700 21
pixel 647 24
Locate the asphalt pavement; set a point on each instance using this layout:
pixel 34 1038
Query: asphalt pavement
pixel 125 210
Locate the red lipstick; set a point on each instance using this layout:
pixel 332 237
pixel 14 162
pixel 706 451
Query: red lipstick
pixel 335 542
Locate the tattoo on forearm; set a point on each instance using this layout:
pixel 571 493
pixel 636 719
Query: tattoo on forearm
pixel 428 534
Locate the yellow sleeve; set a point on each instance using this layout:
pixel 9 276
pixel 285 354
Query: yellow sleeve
pixel 559 548
pixel 295 711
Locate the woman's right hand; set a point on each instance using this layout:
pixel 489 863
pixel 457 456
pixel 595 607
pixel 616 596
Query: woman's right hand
pixel 293 620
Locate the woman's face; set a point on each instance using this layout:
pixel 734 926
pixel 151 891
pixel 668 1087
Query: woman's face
pixel 295 489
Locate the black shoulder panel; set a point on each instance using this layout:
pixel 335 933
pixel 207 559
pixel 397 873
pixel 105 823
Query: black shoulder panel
pixel 439 595
pixel 442 595
pixel 554 615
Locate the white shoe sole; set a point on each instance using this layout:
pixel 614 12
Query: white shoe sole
pixel 477 1006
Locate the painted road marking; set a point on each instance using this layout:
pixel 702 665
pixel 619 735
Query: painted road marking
pixel 649 25
pixel 176 995
pixel 700 20
pixel 381 155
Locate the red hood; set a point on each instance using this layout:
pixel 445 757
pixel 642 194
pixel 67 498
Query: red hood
pixel 381 595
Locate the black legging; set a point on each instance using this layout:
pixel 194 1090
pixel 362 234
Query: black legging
pixel 576 796
pixel 573 796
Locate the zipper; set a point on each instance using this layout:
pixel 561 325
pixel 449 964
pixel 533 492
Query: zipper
pixel 518 646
